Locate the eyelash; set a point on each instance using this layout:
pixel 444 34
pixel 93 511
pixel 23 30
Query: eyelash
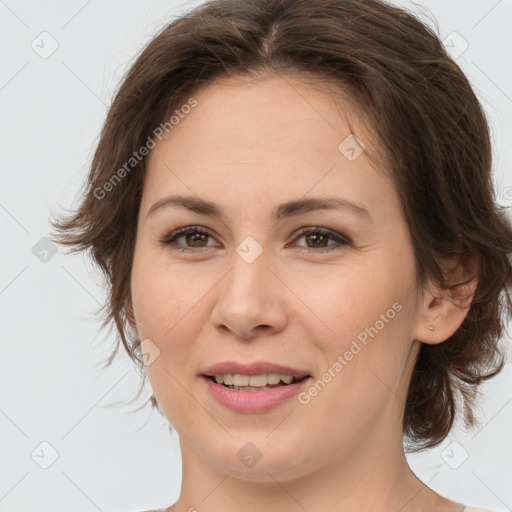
pixel 170 240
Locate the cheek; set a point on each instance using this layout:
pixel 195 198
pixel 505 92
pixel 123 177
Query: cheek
pixel 348 300
pixel 365 316
pixel 161 293
pixel 370 314
pixel 167 308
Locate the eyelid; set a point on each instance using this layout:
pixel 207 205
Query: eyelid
pixel 324 231
pixel 341 240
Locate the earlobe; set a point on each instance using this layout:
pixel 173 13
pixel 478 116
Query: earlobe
pixel 443 309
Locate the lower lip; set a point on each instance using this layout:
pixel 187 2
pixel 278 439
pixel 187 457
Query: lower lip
pixel 253 401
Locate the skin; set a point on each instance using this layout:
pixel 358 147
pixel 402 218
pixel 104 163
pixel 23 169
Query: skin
pixel 249 146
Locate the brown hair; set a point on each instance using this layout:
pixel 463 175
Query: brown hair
pixel 425 116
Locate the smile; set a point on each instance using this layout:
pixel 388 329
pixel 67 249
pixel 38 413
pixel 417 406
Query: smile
pixel 249 399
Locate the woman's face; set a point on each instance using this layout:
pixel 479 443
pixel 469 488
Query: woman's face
pixel 337 305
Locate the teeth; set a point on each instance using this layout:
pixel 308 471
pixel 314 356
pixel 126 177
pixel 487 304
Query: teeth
pixel 286 379
pixel 257 381
pixel 274 378
pixel 240 380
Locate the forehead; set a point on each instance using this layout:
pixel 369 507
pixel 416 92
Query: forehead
pixel 266 136
pixel 276 108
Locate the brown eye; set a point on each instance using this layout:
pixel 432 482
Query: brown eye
pixel 195 238
pixel 318 238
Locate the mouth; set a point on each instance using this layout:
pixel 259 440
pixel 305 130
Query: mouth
pixel 260 382
pixel 253 388
pixel 256 376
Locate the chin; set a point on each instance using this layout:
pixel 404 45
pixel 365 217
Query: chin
pixel 262 461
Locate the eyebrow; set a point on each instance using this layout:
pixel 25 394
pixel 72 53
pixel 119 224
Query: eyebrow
pixel 284 210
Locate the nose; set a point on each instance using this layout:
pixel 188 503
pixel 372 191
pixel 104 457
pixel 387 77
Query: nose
pixel 250 300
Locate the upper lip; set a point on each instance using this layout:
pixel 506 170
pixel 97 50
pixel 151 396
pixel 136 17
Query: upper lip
pixel 256 368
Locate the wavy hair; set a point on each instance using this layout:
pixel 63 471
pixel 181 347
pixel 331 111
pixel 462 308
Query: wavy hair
pixel 424 114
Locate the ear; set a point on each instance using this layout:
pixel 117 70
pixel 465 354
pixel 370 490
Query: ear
pixel 443 309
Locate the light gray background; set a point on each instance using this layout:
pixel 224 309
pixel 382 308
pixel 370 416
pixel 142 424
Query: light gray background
pixel 52 388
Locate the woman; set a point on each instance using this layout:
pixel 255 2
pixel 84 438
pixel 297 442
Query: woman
pixel 293 206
